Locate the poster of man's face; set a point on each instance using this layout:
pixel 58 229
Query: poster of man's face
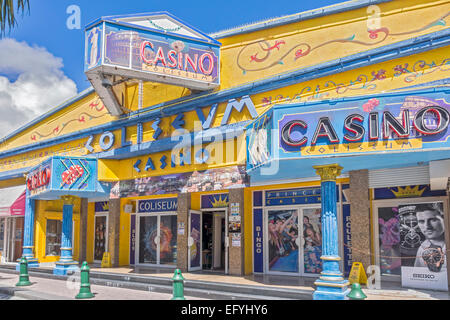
pixel 421 228
pixel 422 246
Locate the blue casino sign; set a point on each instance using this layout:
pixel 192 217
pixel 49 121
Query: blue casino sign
pixel 368 132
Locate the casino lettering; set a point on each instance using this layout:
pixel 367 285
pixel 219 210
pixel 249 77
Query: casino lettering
pixel 177 60
pixel 355 130
pixel 39 179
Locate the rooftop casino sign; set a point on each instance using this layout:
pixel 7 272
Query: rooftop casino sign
pixel 155 47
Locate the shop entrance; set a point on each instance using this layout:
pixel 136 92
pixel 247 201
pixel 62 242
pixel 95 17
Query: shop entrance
pixel 14 238
pixel 157 235
pixel 208 249
pixel 294 240
pixel 100 236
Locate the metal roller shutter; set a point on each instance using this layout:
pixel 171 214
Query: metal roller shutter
pixel 399 177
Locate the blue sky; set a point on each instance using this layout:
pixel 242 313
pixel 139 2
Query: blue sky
pixel 45 26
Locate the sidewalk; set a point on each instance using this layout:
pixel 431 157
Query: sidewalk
pixel 155 279
pixel 50 289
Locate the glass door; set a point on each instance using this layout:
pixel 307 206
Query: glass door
pixel 157 239
pixel 148 240
pixel 312 241
pixel 294 241
pixel 282 241
pixel 168 240
pixel 195 241
pixel 100 236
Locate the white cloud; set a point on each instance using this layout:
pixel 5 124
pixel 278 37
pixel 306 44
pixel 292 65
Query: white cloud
pixel 39 83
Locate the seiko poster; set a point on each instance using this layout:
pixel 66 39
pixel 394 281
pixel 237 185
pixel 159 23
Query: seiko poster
pixel 422 246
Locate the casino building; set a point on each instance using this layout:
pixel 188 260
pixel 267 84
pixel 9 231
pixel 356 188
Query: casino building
pixel 293 146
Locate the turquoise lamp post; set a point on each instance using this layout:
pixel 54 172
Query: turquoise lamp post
pixel 66 263
pixel 331 285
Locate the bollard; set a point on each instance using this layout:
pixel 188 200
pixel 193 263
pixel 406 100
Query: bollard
pixel 85 286
pixel 178 286
pixel 23 277
pixel 356 293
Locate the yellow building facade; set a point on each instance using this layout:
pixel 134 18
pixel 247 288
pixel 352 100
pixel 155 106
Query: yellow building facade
pixel 180 183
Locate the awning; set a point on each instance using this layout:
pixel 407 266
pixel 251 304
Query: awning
pixel 12 201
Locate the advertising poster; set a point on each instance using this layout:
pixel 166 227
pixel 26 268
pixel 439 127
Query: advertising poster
pixel 195 249
pixel 389 241
pixel 181 228
pixel 148 232
pixel 283 233
pixel 168 240
pixel 209 180
pixel 100 237
pixel 236 240
pixel 312 235
pixel 422 246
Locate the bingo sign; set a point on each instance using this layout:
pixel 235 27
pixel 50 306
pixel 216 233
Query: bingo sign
pixel 258 240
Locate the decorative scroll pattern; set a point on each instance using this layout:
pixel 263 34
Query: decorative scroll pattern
pixel 263 55
pixel 368 82
pixel 97 109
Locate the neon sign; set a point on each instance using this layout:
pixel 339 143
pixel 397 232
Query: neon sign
pixel 428 121
pixel 39 179
pixel 173 59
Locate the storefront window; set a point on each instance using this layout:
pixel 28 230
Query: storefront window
pixel 312 235
pixel 2 233
pixel 168 240
pixel 283 233
pixel 100 237
pixel 411 236
pixel 148 233
pixel 53 240
pixel 389 240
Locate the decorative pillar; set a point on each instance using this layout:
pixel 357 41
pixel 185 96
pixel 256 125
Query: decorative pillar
pixel 184 205
pixel 114 231
pixel 28 233
pixel 331 285
pixel 358 196
pixel 66 263
pixel 236 255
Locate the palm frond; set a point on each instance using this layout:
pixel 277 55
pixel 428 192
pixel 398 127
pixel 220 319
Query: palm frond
pixel 8 13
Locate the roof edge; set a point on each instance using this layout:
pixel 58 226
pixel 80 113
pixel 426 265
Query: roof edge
pixel 302 16
pixel 65 104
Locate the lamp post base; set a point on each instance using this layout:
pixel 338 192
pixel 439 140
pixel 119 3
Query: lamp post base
pixel 64 268
pixel 32 263
pixel 331 290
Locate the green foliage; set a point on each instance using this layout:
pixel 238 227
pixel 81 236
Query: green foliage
pixel 8 13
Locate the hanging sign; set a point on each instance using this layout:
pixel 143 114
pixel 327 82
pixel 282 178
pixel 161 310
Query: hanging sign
pixel 153 54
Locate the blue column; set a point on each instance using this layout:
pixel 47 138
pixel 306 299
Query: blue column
pixel 66 263
pixel 331 285
pixel 28 233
